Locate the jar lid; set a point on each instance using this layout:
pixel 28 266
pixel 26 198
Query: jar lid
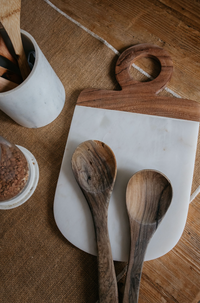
pixel 19 174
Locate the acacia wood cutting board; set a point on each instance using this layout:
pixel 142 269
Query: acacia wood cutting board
pixel 145 131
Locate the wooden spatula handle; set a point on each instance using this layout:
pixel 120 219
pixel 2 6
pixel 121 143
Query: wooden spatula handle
pixel 5 52
pixel 133 53
pixel 10 19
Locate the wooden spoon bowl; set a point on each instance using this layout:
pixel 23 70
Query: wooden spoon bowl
pixel 148 197
pixel 94 166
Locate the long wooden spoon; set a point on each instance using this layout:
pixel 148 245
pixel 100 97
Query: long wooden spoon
pixel 148 197
pixel 10 19
pixel 94 167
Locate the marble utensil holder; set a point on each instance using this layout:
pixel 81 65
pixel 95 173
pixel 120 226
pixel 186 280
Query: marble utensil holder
pixel 40 98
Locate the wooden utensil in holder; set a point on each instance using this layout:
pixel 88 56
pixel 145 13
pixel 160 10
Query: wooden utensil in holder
pixel 10 19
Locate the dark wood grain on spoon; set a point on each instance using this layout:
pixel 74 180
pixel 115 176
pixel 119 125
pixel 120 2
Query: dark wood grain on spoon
pixel 148 197
pixel 94 167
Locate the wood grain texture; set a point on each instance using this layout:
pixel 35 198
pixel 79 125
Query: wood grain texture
pixel 129 56
pixel 13 77
pixel 148 198
pixel 10 19
pixel 32 247
pixel 94 167
pixel 5 52
pixel 2 70
pixel 141 97
pixel 6 85
pixel 10 76
pixel 173 25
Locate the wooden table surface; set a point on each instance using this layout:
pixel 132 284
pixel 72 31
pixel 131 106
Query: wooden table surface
pixel 82 40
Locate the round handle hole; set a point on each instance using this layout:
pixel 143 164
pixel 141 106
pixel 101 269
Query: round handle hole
pixel 145 69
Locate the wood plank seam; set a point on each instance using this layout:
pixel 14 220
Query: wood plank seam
pixel 106 43
pixel 197 191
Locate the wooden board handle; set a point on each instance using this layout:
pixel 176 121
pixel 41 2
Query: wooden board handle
pixel 123 65
pixel 140 97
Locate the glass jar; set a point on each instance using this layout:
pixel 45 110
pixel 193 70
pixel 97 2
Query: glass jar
pixel 14 170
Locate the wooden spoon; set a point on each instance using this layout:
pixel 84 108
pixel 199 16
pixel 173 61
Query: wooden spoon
pixel 10 19
pixel 148 197
pixel 94 167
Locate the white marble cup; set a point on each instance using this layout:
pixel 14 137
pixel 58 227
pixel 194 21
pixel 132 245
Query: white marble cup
pixel 40 98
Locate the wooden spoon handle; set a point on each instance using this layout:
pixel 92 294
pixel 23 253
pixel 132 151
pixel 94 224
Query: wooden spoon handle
pixel 140 237
pixel 143 50
pixel 108 292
